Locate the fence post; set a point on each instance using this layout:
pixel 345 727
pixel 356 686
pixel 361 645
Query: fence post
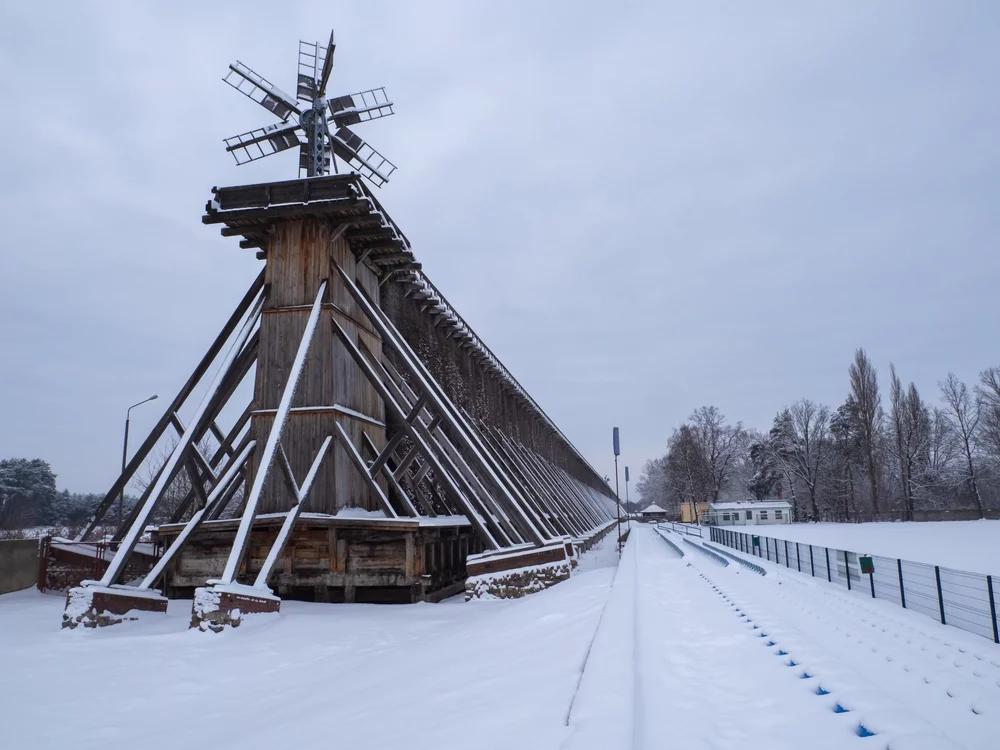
pixel 812 563
pixel 937 577
pixel 798 557
pixel 829 575
pixel 767 548
pixel 902 591
pixel 43 563
pixel 993 609
pixel 787 564
pixel 847 570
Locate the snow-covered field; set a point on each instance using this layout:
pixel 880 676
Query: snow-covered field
pixel 663 651
pixel 964 545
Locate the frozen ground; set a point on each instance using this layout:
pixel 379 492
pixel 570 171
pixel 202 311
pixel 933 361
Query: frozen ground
pixel 663 652
pixel 964 545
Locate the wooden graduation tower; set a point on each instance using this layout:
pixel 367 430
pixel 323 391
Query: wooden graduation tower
pixel 385 453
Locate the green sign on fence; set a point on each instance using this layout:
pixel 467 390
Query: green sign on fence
pixel 867 565
pixel 756 541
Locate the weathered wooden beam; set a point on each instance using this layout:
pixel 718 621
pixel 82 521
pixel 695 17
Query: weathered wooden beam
pixel 182 395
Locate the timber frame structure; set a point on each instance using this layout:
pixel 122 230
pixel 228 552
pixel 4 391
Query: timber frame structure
pixel 425 467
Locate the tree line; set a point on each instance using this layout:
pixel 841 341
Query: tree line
pixel 869 458
pixel 28 497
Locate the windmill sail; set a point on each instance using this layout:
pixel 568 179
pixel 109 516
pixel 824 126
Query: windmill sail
pixel 360 107
pixel 367 161
pixel 256 144
pixel 261 90
pixel 315 66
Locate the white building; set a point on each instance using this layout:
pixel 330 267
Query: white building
pixel 749 513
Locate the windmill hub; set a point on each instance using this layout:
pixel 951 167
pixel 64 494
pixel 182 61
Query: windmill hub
pixel 321 129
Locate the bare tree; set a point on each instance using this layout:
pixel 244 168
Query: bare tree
pixel 653 484
pixel 800 438
pixel 964 411
pixel 688 473
pixel 868 405
pixel 721 444
pixel 988 395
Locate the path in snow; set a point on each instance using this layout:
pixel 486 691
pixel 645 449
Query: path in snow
pixel 674 666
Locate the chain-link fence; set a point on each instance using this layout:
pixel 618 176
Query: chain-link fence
pixel 955 597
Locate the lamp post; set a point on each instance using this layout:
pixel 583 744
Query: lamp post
pixel 121 495
pixel 616 445
pixel 627 502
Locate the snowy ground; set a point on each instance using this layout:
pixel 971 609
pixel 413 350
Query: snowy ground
pixel 963 545
pixel 664 651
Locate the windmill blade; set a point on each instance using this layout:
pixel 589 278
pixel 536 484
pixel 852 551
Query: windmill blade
pixel 305 157
pixel 315 66
pixel 310 65
pixel 362 157
pixel 324 77
pixel 360 107
pixel 262 142
pixel 261 90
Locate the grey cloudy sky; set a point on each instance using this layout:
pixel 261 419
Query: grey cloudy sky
pixel 641 207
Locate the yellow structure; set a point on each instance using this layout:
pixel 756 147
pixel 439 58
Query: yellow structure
pixel 691 511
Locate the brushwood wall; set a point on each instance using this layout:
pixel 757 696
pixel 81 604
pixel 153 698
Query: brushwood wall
pixel 478 389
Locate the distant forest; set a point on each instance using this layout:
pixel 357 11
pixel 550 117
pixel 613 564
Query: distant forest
pixel 869 458
pixel 28 497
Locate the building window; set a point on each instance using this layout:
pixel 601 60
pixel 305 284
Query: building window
pixel 777 514
pixel 749 515
pixel 725 516
pixel 763 515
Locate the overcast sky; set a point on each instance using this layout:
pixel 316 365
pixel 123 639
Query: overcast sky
pixel 642 208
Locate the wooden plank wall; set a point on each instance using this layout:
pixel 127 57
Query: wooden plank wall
pixel 298 260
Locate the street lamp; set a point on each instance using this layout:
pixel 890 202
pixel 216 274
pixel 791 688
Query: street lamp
pixel 121 495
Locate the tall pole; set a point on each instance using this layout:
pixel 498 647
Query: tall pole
pixel 627 502
pixel 616 445
pixel 121 495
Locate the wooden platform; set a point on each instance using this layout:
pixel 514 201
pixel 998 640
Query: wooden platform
pixel 334 558
pixel 250 210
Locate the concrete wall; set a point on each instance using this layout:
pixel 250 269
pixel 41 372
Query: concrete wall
pixel 18 564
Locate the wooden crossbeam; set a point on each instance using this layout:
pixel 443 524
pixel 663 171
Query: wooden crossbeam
pixel 273 438
pixel 185 391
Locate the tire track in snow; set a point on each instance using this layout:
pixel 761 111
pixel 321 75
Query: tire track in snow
pixel 848 620
pixel 914 637
pixel 769 642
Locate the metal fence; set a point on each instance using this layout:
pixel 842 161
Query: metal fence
pixel 955 597
pixel 684 528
